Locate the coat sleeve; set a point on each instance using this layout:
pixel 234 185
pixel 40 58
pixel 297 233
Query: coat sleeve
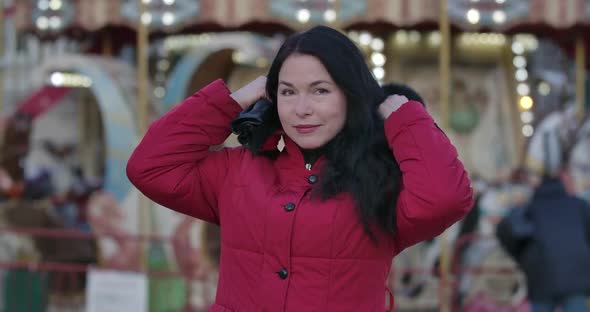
pixel 436 191
pixel 173 164
pixel 515 231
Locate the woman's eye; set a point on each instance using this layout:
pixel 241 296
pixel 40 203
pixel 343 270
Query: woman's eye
pixel 285 92
pixel 322 91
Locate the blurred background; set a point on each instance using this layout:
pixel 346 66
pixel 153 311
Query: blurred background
pixel 80 80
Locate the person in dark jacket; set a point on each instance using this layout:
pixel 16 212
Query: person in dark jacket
pixel 550 240
pixel 314 226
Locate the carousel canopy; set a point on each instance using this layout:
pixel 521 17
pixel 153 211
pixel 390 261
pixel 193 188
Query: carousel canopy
pixel 54 16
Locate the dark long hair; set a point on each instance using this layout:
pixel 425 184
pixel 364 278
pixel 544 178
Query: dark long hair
pixel 359 160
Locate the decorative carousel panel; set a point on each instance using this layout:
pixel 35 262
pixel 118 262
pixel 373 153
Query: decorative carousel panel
pixel 558 14
pixel 317 11
pixel 495 14
pixel 479 119
pixel 235 13
pixel 503 14
pixel 401 12
pixel 467 14
pixel 161 14
pixel 52 16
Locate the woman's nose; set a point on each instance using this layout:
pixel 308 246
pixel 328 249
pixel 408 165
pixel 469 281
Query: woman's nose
pixel 302 108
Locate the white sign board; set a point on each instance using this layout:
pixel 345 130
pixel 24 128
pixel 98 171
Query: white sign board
pixel 115 291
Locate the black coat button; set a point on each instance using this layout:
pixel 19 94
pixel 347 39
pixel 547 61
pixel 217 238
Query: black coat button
pixel 289 207
pixel 283 273
pixel 312 179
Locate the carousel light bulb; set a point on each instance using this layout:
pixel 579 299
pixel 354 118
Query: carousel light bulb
pixel 159 92
pixel 526 102
pixel 401 37
pixel 57 79
pixel 434 38
pixel 55 22
pixel 146 18
pixel 330 15
pixel 43 5
pixel 303 15
pixel 55 5
pixel 521 74
pixel 499 16
pixel 544 88
pixel 473 16
pixel 414 36
pixel 378 59
pixel 365 38
pixel 60 79
pixel 238 57
pixel 377 44
pixel 86 83
pixel 42 22
pixel 379 72
pixel 527 130
pixel 163 65
pixel 533 43
pixel 523 89
pixel 527 117
pixel 500 1
pixel 169 2
pixel 519 61
pixel 517 47
pixel 168 18
pixel 353 35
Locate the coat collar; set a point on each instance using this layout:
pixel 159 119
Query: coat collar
pixel 290 160
pixel 550 187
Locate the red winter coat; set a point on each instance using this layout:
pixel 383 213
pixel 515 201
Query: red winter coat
pixel 280 249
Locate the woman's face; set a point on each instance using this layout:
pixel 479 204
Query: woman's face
pixel 311 107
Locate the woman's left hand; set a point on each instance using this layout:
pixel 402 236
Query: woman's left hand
pixel 391 104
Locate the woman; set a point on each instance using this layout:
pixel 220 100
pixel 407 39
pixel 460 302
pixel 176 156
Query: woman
pixel 315 226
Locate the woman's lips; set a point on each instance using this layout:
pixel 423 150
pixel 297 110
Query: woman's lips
pixel 305 129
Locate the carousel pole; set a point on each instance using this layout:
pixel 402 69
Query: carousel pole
pixel 142 119
pixel 444 86
pixel 580 76
pixel 337 7
pixel 3 61
pixel 334 5
pixel 444 63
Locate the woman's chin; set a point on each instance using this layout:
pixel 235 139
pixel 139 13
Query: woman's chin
pixel 308 143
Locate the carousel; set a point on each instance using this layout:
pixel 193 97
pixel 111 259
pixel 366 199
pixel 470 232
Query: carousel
pixel 91 75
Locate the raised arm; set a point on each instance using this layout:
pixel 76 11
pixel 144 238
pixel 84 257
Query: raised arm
pixel 173 164
pixel 436 191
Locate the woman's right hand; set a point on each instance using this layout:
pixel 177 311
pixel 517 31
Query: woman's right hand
pixel 250 93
